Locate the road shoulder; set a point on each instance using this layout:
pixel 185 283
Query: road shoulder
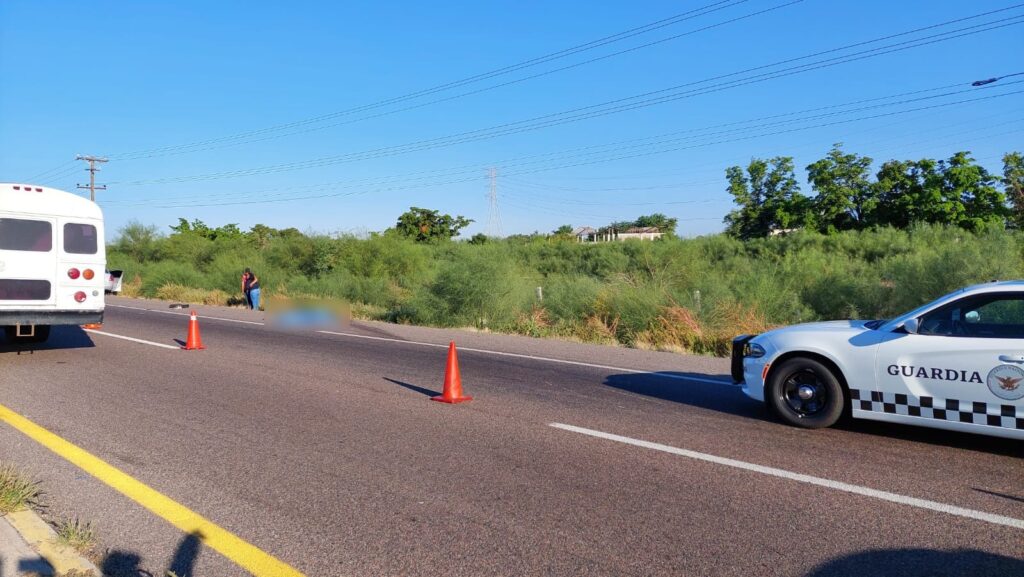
pixel 28 545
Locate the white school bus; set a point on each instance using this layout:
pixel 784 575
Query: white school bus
pixel 52 261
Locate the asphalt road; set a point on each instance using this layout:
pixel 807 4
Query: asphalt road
pixel 324 451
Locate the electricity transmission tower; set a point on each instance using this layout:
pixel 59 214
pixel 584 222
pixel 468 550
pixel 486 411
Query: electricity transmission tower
pixel 493 217
pixel 92 160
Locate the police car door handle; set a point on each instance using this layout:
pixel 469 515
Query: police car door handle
pixel 1012 358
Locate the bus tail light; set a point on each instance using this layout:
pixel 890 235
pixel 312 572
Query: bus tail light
pixel 73 273
pixel 87 274
pixel 80 296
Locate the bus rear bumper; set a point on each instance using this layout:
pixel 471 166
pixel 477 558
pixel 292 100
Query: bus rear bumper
pixel 11 318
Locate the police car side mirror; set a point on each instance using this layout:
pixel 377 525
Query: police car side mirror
pixel 972 317
pixel 911 326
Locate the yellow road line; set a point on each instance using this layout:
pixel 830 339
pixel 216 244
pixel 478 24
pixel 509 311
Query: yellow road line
pixel 246 555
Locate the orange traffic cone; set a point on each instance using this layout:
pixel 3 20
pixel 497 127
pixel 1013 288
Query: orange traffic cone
pixel 452 380
pixel 193 342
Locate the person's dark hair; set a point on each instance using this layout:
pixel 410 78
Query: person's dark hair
pixel 248 270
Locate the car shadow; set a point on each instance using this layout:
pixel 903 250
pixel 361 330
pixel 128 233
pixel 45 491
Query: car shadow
pixel 729 399
pixel 919 563
pixel 683 388
pixel 998 494
pixel 939 437
pixel 61 337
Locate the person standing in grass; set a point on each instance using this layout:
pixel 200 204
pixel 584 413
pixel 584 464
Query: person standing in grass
pixel 251 288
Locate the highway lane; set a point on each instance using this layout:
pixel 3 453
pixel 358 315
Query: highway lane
pixel 322 450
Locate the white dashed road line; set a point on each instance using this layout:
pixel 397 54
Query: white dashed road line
pixel 186 314
pixel 132 339
pixel 469 349
pixel 801 478
pixel 543 359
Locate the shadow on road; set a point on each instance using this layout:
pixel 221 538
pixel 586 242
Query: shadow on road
pixel 938 437
pixel 126 564
pixel 420 390
pixel 919 563
pixel 673 386
pixel 729 399
pixel 997 494
pixel 61 337
pixel 32 567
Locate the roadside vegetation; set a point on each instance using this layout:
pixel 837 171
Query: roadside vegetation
pixel 76 534
pixel 856 249
pixel 17 490
pixel 672 294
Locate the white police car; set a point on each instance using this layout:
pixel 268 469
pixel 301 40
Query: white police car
pixel 956 363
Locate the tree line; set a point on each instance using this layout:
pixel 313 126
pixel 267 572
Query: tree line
pixel 956 191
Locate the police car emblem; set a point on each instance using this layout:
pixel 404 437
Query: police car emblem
pixel 1006 382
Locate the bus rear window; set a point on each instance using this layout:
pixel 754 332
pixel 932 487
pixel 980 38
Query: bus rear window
pixel 79 238
pixel 24 290
pixel 28 235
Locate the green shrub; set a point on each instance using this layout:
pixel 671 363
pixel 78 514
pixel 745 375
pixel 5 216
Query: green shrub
pixel 675 293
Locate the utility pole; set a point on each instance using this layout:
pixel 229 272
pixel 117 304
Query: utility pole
pixel 92 160
pixel 494 217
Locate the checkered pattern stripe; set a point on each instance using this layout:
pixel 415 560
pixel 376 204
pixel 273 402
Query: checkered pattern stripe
pixel 993 415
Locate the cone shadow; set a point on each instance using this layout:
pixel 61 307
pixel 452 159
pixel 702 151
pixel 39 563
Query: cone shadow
pixel 421 390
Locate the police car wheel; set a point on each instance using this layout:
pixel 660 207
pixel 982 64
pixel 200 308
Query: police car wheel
pixel 805 393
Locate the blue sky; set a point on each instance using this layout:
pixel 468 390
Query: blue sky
pixel 144 82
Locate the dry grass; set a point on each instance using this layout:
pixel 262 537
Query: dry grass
pixel 133 288
pixel 678 329
pixel 533 323
pixel 17 490
pixel 363 311
pixel 599 329
pixel 176 292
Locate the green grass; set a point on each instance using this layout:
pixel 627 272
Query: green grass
pixel 17 490
pixel 77 534
pixel 673 294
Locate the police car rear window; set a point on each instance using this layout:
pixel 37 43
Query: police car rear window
pixel 26 235
pixel 79 238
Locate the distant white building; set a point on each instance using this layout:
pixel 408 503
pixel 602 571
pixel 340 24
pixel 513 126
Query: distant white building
pixel 588 234
pixel 640 232
pixel 585 234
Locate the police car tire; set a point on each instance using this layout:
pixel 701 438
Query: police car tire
pixel 826 380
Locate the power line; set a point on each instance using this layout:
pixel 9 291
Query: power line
pixel 561 212
pixel 562 156
pixel 611 158
pixel 62 166
pixel 776 133
pixel 716 167
pixel 92 187
pixel 793 116
pixel 493 217
pixel 60 175
pixel 606 108
pixel 215 146
pixel 682 17
pixel 562 201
